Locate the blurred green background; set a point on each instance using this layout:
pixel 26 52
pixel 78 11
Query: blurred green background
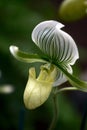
pixel 17 20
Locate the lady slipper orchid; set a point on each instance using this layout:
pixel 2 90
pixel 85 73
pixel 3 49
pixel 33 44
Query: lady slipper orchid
pixel 59 53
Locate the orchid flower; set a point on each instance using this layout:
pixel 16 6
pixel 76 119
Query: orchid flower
pixel 59 53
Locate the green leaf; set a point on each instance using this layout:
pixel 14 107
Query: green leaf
pixel 25 57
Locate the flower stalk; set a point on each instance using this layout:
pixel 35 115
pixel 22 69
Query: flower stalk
pixel 55 111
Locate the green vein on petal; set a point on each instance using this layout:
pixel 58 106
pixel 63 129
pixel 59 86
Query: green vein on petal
pixel 82 85
pixel 25 57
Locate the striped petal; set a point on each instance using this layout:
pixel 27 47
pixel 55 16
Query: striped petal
pixel 57 45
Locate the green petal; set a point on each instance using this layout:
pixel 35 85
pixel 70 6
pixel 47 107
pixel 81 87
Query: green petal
pixel 82 85
pixel 25 57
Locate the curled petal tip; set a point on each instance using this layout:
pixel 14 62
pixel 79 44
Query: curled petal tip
pixel 59 25
pixel 46 24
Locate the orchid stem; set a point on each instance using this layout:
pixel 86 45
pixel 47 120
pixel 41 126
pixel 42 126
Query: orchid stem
pixel 54 121
pixel 66 89
pixel 55 105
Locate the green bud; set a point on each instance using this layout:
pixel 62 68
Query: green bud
pixel 72 10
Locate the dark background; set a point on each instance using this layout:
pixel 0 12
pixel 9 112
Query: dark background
pixel 17 20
